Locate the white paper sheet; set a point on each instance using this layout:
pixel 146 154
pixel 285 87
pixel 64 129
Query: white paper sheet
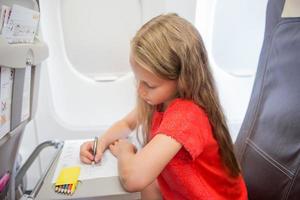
pixel 70 157
pixel 6 84
pixel 22 25
pixel 26 94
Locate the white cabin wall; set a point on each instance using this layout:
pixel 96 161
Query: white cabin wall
pixel 185 8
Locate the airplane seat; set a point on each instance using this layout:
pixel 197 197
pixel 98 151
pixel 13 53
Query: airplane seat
pixel 268 143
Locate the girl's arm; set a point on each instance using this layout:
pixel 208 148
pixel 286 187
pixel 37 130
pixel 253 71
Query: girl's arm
pixel 151 192
pixel 138 170
pixel 120 129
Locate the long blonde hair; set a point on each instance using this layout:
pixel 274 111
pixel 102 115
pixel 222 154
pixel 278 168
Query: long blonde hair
pixel 171 48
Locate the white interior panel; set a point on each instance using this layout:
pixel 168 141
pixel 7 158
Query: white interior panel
pixel 80 102
pixel 183 8
pixel 77 100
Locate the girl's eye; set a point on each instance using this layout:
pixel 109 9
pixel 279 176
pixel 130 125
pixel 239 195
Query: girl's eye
pixel 150 86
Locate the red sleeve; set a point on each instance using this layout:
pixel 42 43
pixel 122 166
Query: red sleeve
pixel 188 124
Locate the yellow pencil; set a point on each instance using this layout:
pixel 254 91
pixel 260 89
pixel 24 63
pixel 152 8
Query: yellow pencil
pixel 73 188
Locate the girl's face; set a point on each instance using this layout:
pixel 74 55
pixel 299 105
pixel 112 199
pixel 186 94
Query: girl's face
pixel 151 88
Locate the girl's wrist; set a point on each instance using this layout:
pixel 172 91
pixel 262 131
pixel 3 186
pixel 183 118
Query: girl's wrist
pixel 102 143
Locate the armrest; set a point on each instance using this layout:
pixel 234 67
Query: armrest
pixel 22 171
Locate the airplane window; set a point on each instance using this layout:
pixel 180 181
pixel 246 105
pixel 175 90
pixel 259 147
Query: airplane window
pixel 236 35
pixel 97 35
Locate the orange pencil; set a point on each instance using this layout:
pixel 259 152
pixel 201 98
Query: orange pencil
pixel 73 188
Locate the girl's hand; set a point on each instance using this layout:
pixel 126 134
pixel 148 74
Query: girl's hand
pixel 86 152
pixel 122 146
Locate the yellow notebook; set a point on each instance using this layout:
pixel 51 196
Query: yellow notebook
pixel 68 176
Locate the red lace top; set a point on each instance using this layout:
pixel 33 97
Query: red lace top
pixel 196 171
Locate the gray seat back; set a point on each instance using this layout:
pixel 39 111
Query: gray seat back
pixel 9 146
pixel 268 144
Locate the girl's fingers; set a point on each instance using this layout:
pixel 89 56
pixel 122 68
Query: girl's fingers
pixel 111 146
pixel 85 152
pixel 98 156
pixel 99 152
pixel 112 149
pixel 85 160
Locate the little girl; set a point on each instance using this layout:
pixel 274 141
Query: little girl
pixel 188 152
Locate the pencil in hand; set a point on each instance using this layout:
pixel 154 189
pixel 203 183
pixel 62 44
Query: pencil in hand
pixel 95 149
